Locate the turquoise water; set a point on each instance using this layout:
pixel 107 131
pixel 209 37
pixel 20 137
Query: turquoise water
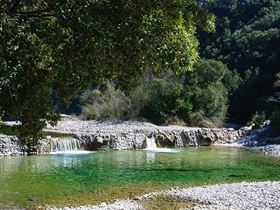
pixel 51 178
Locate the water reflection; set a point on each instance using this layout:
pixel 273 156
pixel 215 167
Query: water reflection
pixel 151 157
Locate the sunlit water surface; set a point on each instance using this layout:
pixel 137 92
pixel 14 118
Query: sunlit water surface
pixel 43 179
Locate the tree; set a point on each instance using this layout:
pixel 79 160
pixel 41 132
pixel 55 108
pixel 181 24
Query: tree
pixel 49 49
pixel 208 88
pixel 163 98
pixel 247 39
pixel 198 97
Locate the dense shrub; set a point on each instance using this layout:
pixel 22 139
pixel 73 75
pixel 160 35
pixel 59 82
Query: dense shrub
pixel 257 119
pixel 207 88
pixel 108 104
pixel 198 97
pixel 165 99
pixel 275 120
pixel 275 108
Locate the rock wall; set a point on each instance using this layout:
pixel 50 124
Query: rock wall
pixel 10 145
pixel 122 140
pixel 258 137
pixel 127 136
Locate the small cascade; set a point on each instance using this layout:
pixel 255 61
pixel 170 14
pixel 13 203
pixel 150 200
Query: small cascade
pixel 151 146
pixel 151 143
pixel 64 145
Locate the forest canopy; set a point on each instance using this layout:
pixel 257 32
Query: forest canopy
pixel 247 38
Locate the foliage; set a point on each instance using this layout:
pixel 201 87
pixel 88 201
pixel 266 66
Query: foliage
pixel 247 39
pixel 8 130
pixel 108 104
pixel 197 98
pixel 165 99
pixel 273 107
pixel 208 90
pixel 275 120
pixel 174 121
pixel 53 49
pixel 277 83
pixel 257 119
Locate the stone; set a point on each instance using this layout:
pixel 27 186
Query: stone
pixel 127 135
pixel 10 145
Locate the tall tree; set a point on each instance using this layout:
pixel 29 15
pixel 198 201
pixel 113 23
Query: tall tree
pixel 52 48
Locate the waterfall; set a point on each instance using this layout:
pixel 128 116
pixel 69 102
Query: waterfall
pixel 64 144
pixel 151 143
pixel 152 147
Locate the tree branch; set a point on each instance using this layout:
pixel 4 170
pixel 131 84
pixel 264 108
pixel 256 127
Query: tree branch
pixel 15 9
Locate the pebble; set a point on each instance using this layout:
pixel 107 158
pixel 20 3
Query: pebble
pixel 237 196
pixel 244 195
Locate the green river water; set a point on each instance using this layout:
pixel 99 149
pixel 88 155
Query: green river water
pixel 35 181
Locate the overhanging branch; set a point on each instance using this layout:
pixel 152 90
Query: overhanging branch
pixel 16 8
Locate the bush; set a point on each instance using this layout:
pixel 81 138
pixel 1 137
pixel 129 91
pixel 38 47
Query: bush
pixel 174 121
pixel 198 119
pixel 108 104
pixel 163 97
pixel 257 119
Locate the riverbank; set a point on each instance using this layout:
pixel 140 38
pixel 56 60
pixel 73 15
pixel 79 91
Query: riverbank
pixel 258 140
pixel 238 196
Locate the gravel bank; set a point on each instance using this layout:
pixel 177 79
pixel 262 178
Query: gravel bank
pixel 269 149
pixel 238 196
pixel 259 140
pixel 85 126
pixel 244 195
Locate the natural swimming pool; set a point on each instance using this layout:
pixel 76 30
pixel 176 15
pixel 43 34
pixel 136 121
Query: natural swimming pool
pixel 75 179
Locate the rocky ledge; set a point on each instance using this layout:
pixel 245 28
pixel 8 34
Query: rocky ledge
pixel 258 140
pixel 127 135
pixel 9 145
